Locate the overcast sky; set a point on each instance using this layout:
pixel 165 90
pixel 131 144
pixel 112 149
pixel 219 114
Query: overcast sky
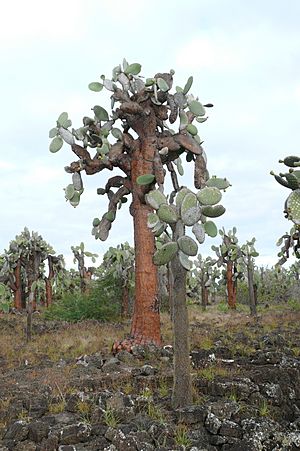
pixel 245 59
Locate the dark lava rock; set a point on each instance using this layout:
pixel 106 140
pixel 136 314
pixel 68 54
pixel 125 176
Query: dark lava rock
pixel 75 433
pixel 37 431
pixel 191 414
pixel 18 431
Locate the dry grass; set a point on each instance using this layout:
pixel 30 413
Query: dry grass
pixel 68 343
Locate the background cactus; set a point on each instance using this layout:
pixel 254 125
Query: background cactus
pixel 119 263
pixel 85 274
pixel 290 180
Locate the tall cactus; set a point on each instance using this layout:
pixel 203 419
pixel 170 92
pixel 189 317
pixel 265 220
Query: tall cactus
pixel 290 180
pixel 183 209
pixel 207 275
pixel 249 253
pixel 119 262
pixel 230 255
pixel 147 109
pixel 85 274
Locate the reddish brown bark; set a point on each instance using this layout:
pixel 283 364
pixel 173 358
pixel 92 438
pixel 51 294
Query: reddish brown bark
pixel 18 285
pixel 231 286
pixel 145 326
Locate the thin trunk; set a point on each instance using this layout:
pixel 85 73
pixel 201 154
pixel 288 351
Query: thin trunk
pixel 18 284
pixel 231 289
pixel 145 326
pixel 48 282
pixel 48 291
pixel 250 286
pixel 34 302
pixel 32 271
pixel 29 315
pixel 255 292
pixel 204 293
pixel 182 387
pixel 170 290
pixel 125 300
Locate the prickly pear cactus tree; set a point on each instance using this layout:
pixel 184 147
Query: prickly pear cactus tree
pixel 230 255
pixel 206 274
pixel 137 138
pixel 249 253
pixel 182 210
pixel 119 261
pixel 85 274
pixel 22 265
pixel 56 266
pixel 290 180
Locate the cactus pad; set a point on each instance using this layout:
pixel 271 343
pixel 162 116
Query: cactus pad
pixel 155 199
pixel 218 182
pixel 184 260
pixel 69 191
pixel 210 228
pixel 165 253
pixel 145 179
pixel 167 213
pixel 209 195
pixel 213 211
pixel 293 206
pixel 190 209
pixel 77 181
pixel 96 222
pixel 187 245
pixel 110 215
pixel 75 199
pixel 152 220
pixel 199 232
pixel 181 195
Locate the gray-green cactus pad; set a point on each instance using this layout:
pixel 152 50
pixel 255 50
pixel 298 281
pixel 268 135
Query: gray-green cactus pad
pixel 181 195
pixel 103 229
pixel 168 214
pixel 155 199
pixel 75 199
pixel 152 220
pixel 218 182
pixel 190 209
pixel 96 222
pixel 77 181
pixel 159 229
pixel 293 206
pixel 184 260
pixel 210 228
pixel 213 211
pixel 199 232
pixel 110 215
pixel 145 179
pixel 209 195
pixel 188 245
pixel 165 253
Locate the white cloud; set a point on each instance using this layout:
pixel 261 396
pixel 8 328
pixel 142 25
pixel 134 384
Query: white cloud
pixel 6 165
pixel 33 19
pixel 208 52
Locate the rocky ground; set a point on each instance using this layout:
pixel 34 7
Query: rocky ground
pixel 65 391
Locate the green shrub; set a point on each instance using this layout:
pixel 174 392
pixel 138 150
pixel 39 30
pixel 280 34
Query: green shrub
pixel 294 304
pixel 101 303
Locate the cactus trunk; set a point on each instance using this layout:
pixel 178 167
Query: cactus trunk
pixel 252 300
pixel 18 284
pixel 48 282
pixel 145 326
pixel 182 387
pixel 231 286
